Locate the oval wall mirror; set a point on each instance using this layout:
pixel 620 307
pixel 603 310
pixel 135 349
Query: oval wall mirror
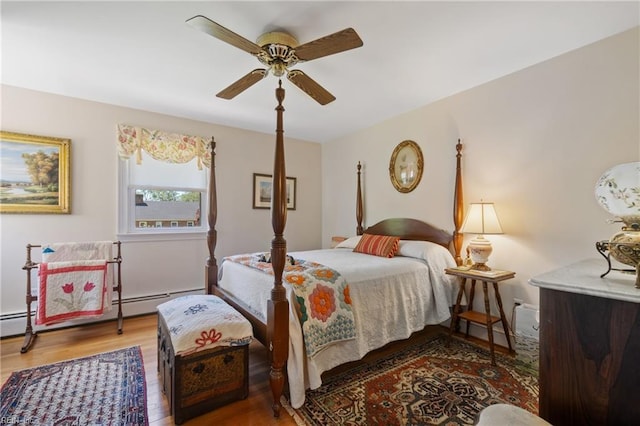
pixel 405 166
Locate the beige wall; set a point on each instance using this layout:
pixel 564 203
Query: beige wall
pixel 535 143
pixel 149 268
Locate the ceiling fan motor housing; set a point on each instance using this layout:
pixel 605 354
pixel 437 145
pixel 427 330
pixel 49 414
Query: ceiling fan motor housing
pixel 278 52
pixel 277 37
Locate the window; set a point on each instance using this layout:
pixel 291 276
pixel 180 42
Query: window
pixel 161 198
pixel 156 205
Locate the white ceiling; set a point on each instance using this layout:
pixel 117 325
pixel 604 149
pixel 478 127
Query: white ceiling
pixel 143 55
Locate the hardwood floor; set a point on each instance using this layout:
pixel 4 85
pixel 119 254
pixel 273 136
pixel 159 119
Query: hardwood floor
pixel 76 342
pixel 61 345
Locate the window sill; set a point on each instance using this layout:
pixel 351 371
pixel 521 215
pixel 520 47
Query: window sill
pixel 162 236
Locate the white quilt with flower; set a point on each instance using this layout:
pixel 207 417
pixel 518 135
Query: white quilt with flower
pixel 80 251
pixel 199 322
pixel 71 290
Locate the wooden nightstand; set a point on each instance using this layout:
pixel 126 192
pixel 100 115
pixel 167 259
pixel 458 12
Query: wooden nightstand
pixel 494 277
pixel 336 240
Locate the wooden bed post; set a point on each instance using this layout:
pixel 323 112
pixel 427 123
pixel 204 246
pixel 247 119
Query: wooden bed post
pixel 211 270
pixel 458 207
pixel 278 306
pixel 359 229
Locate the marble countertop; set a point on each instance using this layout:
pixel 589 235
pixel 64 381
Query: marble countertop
pixel 584 278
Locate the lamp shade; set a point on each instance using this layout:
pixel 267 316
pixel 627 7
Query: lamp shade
pixel 481 219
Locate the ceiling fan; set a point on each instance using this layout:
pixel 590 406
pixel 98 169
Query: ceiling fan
pixel 279 51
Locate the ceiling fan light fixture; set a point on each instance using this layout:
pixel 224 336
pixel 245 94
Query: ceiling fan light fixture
pixel 279 69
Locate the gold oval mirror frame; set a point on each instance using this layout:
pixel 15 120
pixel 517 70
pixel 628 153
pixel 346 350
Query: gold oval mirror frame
pixel 405 167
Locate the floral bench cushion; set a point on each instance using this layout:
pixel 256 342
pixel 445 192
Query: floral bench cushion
pixel 199 322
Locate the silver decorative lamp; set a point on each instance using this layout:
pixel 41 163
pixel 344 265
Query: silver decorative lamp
pixel 481 219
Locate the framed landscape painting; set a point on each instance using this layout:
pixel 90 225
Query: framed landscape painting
pixel 34 174
pixel 262 191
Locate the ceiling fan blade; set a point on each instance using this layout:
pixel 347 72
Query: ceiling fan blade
pixel 243 84
pixel 310 87
pixel 216 30
pixel 333 43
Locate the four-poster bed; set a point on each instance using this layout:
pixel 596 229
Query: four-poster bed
pixel 419 244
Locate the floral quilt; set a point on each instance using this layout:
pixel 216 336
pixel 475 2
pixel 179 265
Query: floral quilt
pixel 84 250
pixel 71 290
pixel 202 321
pixel 321 295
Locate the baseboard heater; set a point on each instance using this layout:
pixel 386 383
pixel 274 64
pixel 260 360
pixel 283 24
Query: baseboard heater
pixel 12 324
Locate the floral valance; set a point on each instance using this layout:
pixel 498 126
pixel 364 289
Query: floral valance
pixel 162 146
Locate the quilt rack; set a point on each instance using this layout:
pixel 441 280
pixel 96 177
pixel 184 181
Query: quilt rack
pixel 29 334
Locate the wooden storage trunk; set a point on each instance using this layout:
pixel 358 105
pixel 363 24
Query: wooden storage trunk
pixel 199 382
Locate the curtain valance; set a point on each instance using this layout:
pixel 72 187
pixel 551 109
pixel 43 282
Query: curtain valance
pixel 162 146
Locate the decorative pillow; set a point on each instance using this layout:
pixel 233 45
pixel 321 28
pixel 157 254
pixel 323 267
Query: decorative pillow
pixel 424 250
pixel 377 245
pixel 350 242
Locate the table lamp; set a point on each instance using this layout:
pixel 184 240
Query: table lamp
pixel 481 219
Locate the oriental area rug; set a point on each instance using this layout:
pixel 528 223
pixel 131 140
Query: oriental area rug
pixel 103 389
pixel 430 383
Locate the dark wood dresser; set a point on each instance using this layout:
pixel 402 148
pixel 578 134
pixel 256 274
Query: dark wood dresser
pixel 589 346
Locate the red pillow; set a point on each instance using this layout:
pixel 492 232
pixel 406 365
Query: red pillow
pixel 378 245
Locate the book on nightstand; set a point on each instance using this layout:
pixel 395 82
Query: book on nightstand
pixel 493 273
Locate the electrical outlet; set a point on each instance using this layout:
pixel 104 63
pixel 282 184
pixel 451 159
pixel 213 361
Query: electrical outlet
pixel 517 301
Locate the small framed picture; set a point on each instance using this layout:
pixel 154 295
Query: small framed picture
pixel 34 174
pixel 262 187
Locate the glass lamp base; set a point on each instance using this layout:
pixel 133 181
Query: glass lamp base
pixel 479 249
pixel 480 267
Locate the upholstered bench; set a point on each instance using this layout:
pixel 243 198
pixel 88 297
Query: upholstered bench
pixel 203 354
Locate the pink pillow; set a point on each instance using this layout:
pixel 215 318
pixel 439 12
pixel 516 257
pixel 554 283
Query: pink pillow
pixel 378 245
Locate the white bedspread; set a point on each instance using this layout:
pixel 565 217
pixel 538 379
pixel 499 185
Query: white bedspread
pixel 392 298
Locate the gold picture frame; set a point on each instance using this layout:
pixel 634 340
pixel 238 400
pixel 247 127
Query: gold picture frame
pixel 406 166
pixel 28 188
pixel 262 191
